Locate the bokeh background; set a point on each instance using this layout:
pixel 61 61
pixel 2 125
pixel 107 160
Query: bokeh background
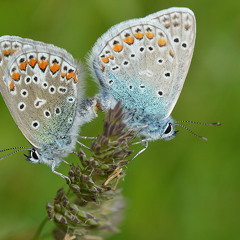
pixel 183 189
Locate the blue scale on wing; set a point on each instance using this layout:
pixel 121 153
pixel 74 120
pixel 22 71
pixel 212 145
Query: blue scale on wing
pixel 51 127
pixel 135 76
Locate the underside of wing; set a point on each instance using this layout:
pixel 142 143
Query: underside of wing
pixel 180 25
pixel 10 45
pixel 43 87
pixel 135 62
pixel 144 62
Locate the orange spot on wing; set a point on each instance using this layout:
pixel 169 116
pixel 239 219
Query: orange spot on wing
pixel 14 50
pixel 32 62
pixel 75 78
pixel 161 42
pixel 150 35
pixel 16 76
pixel 171 53
pixel 64 75
pixel 43 64
pixel 110 56
pixel 55 67
pixel 70 75
pixel 102 68
pixel 7 52
pixel 23 65
pixel 105 60
pixel 117 47
pixel 11 86
pixel 129 40
pixel 138 35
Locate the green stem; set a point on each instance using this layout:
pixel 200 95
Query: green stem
pixel 40 228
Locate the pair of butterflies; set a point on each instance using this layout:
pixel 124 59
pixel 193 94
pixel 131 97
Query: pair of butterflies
pixel 141 62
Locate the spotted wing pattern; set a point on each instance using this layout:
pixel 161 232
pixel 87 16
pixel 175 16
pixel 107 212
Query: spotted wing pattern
pixel 9 45
pixel 139 63
pixel 180 25
pixel 43 87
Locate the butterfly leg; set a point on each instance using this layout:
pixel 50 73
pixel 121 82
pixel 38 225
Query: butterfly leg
pixel 60 174
pixel 66 162
pixel 146 146
pixel 85 137
pixel 142 141
pixel 81 144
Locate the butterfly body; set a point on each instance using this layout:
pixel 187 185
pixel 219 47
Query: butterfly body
pixel 143 63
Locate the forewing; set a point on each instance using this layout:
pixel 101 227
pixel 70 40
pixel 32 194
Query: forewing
pixel 43 89
pixel 138 63
pixel 180 25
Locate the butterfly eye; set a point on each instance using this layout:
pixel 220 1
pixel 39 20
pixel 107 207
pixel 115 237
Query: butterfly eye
pixel 34 155
pixel 169 129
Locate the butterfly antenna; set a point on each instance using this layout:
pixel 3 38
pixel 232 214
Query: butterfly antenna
pixel 200 123
pixel 203 138
pixel 8 149
pixel 19 150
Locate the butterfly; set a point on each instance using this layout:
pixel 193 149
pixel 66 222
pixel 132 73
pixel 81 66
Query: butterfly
pixel 42 86
pixel 143 63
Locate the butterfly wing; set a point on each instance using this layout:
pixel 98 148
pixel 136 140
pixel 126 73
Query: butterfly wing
pixel 138 62
pixel 43 87
pixel 9 45
pixel 180 24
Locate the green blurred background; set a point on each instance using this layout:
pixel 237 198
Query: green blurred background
pixel 184 189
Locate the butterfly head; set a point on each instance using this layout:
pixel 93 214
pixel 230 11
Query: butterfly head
pixel 164 129
pixel 34 156
pixel 38 156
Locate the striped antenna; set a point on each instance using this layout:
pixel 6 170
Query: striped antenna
pixel 200 123
pixel 203 138
pixel 19 149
